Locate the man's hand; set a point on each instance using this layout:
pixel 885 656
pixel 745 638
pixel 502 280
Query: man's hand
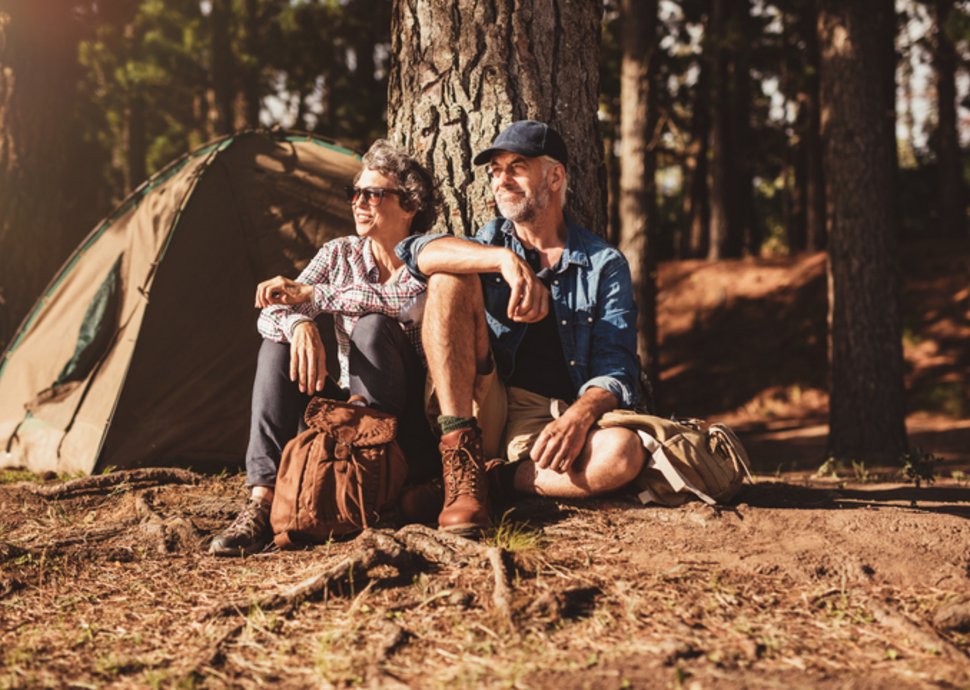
pixel 561 442
pixel 529 301
pixel 282 290
pixel 308 358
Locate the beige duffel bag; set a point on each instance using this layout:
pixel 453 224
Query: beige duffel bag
pixel 685 457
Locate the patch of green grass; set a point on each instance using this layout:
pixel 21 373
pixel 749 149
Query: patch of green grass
pixel 11 476
pixel 514 537
pixel 830 468
pixel 919 466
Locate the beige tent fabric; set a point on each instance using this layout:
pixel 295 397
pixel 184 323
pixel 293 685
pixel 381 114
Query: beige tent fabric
pixel 174 386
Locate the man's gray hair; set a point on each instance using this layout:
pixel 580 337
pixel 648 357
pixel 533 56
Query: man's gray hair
pixel 420 192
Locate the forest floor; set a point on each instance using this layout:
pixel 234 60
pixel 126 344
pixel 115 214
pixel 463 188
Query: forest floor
pixel 852 577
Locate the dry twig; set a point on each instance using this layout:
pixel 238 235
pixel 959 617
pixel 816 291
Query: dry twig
pixel 501 594
pixel 102 483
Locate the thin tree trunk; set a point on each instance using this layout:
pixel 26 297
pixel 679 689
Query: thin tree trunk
pixel 744 234
pixel 612 166
pixel 638 162
pixel 950 188
pixel 815 205
pixel 720 137
pixel 222 74
pixel 251 74
pixel 866 419
pixel 699 210
pixel 460 73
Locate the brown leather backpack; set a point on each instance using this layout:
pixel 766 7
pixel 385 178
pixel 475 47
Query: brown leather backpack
pixel 338 476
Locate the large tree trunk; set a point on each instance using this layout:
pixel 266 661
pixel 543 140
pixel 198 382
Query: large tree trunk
pixel 638 162
pixel 866 419
pixel 460 73
pixel 48 196
pixel 950 193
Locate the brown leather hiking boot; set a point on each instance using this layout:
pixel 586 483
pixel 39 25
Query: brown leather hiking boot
pixel 249 532
pixel 466 492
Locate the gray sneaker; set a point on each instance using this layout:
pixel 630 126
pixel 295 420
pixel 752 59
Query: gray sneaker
pixel 249 532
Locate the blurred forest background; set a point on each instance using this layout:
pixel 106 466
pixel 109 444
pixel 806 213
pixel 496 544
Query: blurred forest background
pixel 97 95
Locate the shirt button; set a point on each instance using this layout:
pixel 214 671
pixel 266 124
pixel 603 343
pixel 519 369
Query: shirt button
pixel 555 282
pixel 590 319
pixel 572 362
pixel 564 322
pixel 498 280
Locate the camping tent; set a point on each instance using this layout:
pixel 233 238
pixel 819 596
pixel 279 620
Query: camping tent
pixel 142 349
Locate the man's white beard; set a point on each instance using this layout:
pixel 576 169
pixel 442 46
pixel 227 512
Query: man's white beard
pixel 523 208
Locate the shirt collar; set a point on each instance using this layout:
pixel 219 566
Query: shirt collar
pixel 573 253
pixel 371 271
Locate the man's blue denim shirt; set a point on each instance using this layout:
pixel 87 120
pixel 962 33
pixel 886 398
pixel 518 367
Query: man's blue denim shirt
pixel 592 294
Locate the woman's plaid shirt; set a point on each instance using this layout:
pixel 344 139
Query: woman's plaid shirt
pixel 346 283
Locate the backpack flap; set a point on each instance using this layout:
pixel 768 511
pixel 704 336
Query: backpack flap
pixel 351 425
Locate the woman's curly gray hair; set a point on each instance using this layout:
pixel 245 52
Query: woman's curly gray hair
pixel 420 193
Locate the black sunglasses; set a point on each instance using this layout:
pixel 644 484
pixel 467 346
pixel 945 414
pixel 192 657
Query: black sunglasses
pixel 373 196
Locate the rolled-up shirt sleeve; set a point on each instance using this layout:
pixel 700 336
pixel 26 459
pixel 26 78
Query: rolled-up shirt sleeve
pixel 409 248
pixel 276 322
pixel 613 360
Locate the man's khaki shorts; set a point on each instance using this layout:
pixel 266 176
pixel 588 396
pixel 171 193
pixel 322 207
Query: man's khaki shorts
pixel 510 418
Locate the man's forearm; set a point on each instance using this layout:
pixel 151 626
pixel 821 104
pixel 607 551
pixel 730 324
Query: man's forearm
pixel 454 255
pixel 592 405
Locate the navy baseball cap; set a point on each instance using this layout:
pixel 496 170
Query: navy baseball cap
pixel 530 138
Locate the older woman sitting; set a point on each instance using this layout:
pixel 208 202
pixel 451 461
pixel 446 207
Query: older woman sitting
pixel 376 305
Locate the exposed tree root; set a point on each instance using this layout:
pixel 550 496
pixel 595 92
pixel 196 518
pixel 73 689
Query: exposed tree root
pixel 413 546
pixel 103 483
pixel 169 534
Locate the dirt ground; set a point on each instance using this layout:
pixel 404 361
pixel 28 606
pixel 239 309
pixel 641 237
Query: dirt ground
pixel 854 578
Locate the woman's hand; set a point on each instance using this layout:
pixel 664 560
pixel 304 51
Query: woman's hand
pixel 282 290
pixel 308 358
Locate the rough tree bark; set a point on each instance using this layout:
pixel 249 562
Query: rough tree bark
pixel 638 165
pixel 460 72
pixel 951 201
pixel 866 418
pixel 48 196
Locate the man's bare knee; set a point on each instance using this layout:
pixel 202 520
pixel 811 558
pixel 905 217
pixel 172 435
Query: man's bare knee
pixel 616 458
